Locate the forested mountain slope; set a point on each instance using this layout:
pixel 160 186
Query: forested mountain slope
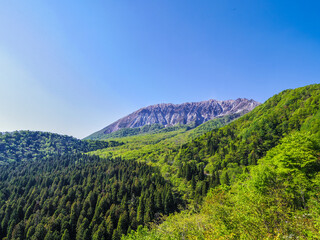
pixel 219 156
pixel 80 197
pixel 259 175
pixel 244 141
pixel 276 199
pixel 30 145
pixel 149 145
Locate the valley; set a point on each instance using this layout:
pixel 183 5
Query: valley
pixel 245 175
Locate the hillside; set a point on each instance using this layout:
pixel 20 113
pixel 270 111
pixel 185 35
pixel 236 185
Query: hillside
pixel 247 139
pixel 160 141
pixel 276 199
pixel 264 169
pixel 223 153
pixel 29 145
pixel 164 115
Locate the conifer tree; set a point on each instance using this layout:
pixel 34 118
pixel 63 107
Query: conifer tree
pixel 168 203
pixel 109 228
pixel 140 211
pixel 65 235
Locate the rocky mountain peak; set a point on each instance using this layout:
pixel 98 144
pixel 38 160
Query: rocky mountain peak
pixel 168 114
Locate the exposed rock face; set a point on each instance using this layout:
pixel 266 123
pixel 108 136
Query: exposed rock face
pixel 172 114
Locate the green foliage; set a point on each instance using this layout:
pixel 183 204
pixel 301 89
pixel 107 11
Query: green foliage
pixel 147 129
pixel 27 145
pixel 161 148
pixel 259 177
pixel 227 151
pixel 278 199
pixel 80 197
pixel 222 154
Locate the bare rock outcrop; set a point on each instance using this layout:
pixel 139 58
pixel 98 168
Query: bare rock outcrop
pixel 168 114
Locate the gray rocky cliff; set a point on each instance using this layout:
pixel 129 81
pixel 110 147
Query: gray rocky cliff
pixel 172 114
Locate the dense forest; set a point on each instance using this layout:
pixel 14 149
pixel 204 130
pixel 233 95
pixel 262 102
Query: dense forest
pixel 248 139
pixel 253 177
pixel 227 151
pixel 81 197
pixel 276 199
pixel 30 145
pixel 265 170
pixel 219 156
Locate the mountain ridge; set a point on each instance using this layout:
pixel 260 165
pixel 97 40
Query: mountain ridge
pixel 169 114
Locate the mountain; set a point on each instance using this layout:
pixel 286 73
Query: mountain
pixel 260 175
pixel 248 139
pixel 154 146
pixel 177 114
pixel 255 176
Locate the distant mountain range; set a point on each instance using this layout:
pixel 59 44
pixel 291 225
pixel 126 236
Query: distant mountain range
pixel 178 114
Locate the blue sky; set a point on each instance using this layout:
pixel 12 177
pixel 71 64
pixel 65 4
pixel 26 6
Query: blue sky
pixel 73 67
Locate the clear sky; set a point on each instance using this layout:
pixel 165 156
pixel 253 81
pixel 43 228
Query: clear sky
pixel 73 67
